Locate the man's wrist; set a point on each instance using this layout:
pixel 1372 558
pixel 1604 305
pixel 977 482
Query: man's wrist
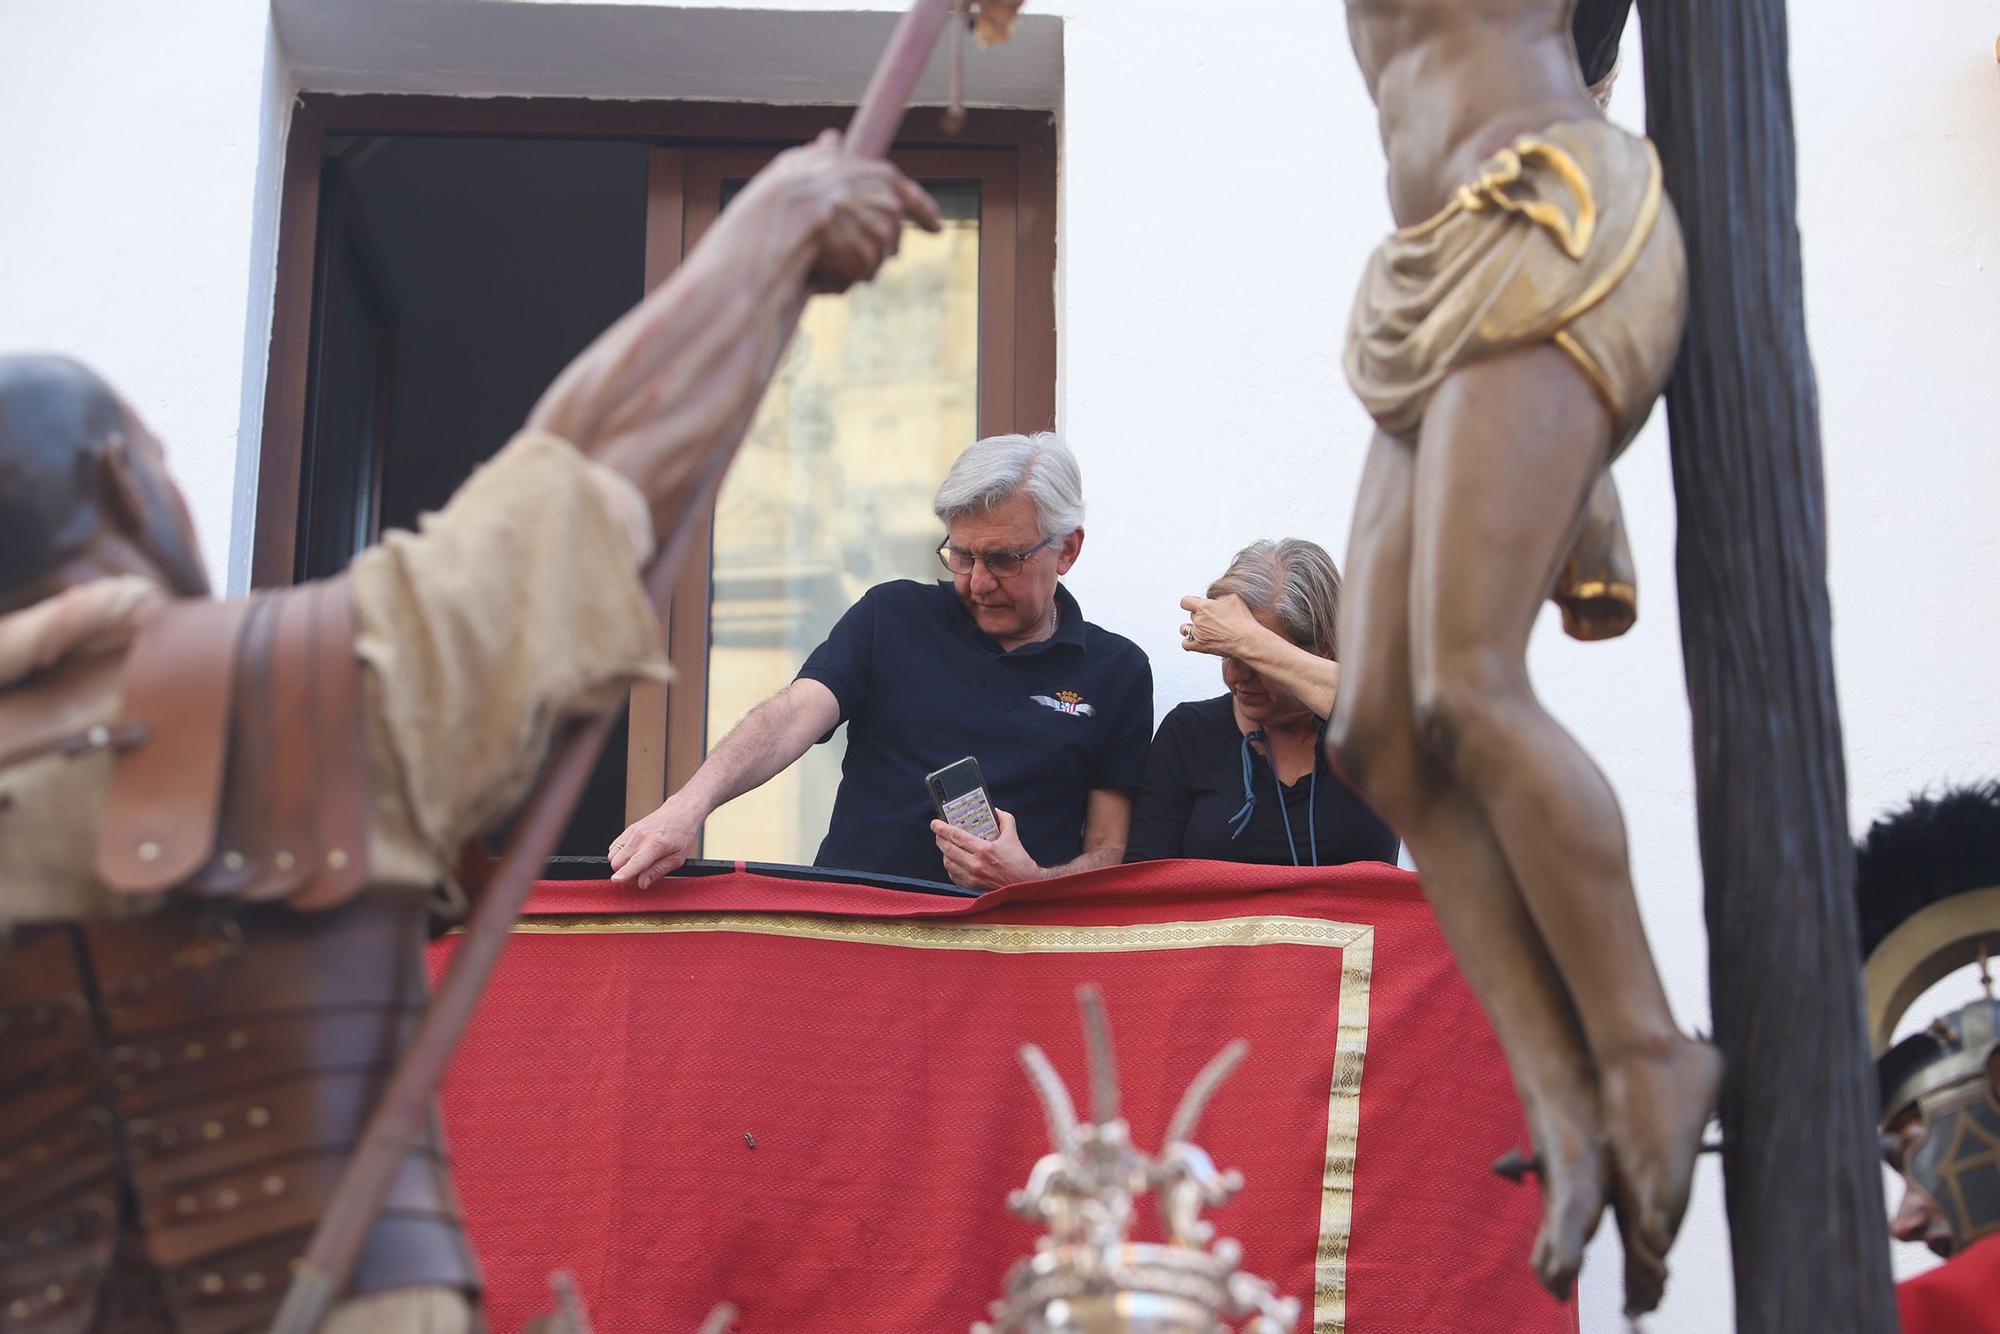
pixel 689 808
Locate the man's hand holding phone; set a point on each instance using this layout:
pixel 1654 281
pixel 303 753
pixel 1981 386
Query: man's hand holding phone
pixel 979 842
pixel 980 863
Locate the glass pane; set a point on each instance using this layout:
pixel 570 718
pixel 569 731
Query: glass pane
pixel 832 494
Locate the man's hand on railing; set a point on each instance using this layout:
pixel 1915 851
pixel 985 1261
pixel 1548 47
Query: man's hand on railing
pixel 655 844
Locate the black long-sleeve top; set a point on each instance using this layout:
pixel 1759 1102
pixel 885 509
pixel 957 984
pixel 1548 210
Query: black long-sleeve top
pixel 1193 790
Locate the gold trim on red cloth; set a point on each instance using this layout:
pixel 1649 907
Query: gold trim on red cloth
pixel 1355 941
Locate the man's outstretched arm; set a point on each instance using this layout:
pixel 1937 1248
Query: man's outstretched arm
pixel 769 740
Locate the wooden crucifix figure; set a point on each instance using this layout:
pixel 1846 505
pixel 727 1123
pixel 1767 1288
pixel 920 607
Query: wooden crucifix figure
pixel 1509 339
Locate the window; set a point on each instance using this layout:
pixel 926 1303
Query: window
pixel 831 492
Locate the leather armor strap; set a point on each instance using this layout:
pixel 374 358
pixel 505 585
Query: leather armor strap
pixel 251 780
pixel 240 1292
pixel 58 1149
pixel 62 712
pixel 341 808
pixel 208 1220
pixel 179 679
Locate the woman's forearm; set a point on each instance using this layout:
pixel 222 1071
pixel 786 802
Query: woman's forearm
pixel 1301 671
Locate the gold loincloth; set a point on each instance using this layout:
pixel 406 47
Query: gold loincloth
pixel 1567 237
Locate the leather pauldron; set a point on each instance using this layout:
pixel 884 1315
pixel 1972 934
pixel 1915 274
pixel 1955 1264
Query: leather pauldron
pixel 249 778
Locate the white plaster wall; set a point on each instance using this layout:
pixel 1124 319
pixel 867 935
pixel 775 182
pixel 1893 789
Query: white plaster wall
pixel 1221 183
pixel 794 51
pixel 139 155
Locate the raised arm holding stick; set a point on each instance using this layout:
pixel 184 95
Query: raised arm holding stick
pixel 689 364
pixel 221 820
pixel 663 398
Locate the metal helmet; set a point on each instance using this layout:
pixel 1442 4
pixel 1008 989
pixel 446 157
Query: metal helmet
pixel 1928 886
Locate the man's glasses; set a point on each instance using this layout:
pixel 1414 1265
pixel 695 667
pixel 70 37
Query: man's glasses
pixel 999 564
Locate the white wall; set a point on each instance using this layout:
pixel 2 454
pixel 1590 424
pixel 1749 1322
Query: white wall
pixel 139 155
pixel 797 51
pixel 1221 183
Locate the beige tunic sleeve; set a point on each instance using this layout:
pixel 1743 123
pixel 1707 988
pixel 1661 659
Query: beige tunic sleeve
pixel 516 607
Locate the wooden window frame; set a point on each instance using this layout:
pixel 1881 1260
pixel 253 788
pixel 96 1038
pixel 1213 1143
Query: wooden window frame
pixel 666 735
pixel 341 221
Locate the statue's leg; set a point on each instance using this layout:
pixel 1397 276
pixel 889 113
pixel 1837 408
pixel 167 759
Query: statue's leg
pixel 1478 906
pixel 1509 451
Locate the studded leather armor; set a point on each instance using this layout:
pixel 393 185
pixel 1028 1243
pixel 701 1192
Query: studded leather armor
pixel 181 1093
pixel 180 1089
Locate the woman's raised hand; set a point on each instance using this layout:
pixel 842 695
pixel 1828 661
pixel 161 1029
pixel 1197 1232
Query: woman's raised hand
pixel 1218 626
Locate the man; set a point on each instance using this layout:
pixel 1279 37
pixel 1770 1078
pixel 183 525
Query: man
pixel 220 821
pixel 1509 341
pixel 1929 895
pixel 999 664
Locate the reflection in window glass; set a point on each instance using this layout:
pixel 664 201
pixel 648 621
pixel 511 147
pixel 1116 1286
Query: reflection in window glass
pixel 832 494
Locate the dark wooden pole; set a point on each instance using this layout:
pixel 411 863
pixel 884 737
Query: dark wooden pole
pixel 1802 1185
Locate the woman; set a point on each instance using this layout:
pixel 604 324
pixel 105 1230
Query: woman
pixel 1243 777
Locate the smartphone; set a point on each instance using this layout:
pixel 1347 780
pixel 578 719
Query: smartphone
pixel 959 793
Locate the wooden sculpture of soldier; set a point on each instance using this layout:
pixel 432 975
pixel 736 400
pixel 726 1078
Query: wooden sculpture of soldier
pixel 221 822
pixel 1509 341
pixel 1928 894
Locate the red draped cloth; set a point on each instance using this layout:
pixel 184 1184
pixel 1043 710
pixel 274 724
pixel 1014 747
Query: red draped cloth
pixel 804 1097
pixel 1960 1296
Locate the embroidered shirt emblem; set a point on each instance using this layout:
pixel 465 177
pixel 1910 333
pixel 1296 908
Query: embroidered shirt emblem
pixel 1065 701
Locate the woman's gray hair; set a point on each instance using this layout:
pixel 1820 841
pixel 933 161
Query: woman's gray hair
pixel 1293 580
pixel 1038 466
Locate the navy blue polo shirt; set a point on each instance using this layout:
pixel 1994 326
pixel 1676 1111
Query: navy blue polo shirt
pixel 921 685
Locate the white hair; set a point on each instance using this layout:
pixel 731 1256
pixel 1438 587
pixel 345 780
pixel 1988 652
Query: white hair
pixel 1038 466
pixel 1294 580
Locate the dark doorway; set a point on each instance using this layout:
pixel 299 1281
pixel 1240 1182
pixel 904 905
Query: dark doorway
pixel 456 277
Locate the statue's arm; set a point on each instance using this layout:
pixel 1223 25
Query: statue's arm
pixel 665 394
pixel 516 606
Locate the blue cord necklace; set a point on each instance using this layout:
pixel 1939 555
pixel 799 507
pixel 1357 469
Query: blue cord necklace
pixel 1241 820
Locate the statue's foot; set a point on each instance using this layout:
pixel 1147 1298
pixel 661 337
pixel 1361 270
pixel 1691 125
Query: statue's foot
pixel 1570 1158
pixel 1656 1107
